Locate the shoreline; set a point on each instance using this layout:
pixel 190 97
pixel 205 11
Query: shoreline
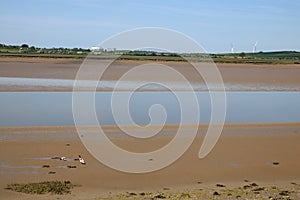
pixel 115 127
pixel 17 84
pixel 222 59
pixel 20 59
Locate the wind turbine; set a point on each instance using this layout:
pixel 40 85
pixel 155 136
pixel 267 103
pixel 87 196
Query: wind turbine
pixel 254 47
pixel 232 48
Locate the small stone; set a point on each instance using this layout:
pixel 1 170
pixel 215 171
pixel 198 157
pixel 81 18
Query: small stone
pixel 246 186
pixel 216 193
pixel 284 193
pixel 159 196
pixel 259 189
pixel 71 166
pixel 51 172
pixel 45 166
pixel 220 185
pixel 254 185
pixel 275 163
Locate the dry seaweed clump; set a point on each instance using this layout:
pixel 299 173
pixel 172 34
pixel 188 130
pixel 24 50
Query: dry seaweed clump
pixel 250 191
pixel 46 187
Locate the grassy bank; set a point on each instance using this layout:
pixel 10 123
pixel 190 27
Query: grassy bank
pixel 282 57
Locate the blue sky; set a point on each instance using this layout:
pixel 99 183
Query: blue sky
pixel 215 24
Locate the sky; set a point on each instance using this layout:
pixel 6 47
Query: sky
pixel 215 24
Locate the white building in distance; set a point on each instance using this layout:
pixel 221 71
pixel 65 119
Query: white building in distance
pixel 111 49
pixel 96 49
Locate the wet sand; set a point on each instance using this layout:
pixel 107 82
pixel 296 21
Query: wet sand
pixel 266 154
pixel 241 77
pixel 244 152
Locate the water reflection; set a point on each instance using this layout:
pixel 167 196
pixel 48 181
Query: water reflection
pixel 55 108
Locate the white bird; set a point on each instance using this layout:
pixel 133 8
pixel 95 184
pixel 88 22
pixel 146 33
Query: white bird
pixel 81 160
pixel 63 158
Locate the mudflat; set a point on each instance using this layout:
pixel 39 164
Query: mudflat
pixel 264 154
pixel 240 77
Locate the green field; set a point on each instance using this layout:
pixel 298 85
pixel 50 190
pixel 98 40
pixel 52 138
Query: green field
pixel 280 57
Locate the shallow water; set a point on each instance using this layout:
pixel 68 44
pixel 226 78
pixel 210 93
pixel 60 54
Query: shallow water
pixel 109 85
pixel 7 166
pixel 55 108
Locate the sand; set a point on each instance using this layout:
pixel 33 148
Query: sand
pixel 265 154
pixel 244 152
pixel 237 77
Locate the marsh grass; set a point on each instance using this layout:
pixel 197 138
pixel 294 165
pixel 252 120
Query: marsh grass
pixel 46 187
pixel 280 57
